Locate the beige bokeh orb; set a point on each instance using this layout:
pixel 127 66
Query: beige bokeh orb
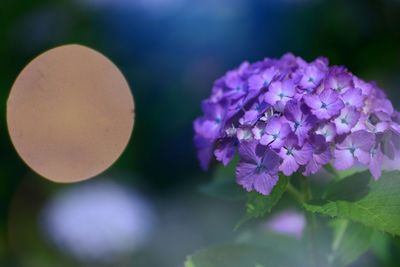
pixel 70 113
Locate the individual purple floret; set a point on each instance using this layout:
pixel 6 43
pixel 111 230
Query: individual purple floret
pixel 325 105
pixel 287 115
pixel 294 155
pixel 275 133
pixel 257 168
pixel 355 147
pixel 280 92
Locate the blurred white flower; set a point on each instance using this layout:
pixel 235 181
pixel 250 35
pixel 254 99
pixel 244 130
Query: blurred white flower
pixel 98 221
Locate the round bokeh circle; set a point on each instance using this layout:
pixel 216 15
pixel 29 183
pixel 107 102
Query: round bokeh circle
pixel 70 113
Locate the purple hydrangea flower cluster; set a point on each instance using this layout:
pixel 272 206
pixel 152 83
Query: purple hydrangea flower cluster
pixel 287 115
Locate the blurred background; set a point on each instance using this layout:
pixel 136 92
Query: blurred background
pixel 147 210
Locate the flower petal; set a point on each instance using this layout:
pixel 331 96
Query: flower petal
pixel 245 175
pixel 264 183
pixel 288 165
pixel 343 159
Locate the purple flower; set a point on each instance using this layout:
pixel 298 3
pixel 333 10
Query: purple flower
pixel 258 130
pixel 390 140
pixel 327 130
pixel 377 104
pixel 312 75
pixel 321 154
pixel 356 146
pixel 325 105
pixel 275 133
pixel 366 88
pixel 211 124
pixel 339 80
pixel 374 123
pixel 300 122
pixel 262 80
pixel 254 114
pixel 287 114
pixel 280 92
pixel 376 161
pixel 293 155
pixel 258 168
pixel 225 150
pixel 234 81
pixel 346 120
pixel 204 150
pixel 236 86
pixel 235 108
pixel 353 98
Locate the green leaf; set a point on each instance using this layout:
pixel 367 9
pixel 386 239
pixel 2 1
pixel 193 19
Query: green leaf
pixel 380 245
pixel 258 205
pixel 254 250
pixel 361 199
pixel 347 173
pixel 341 174
pixel 350 241
pixel 223 184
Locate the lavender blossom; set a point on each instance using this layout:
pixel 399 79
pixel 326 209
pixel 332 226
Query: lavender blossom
pixel 275 133
pixel 258 168
pixel 280 92
pixel 356 146
pixel 300 120
pixel 294 155
pixel 287 115
pixel 325 105
pixel 263 79
pixel 321 154
pixel 346 120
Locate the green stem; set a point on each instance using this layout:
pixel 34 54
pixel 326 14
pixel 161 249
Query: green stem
pixel 297 195
pixel 306 189
pixel 329 168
